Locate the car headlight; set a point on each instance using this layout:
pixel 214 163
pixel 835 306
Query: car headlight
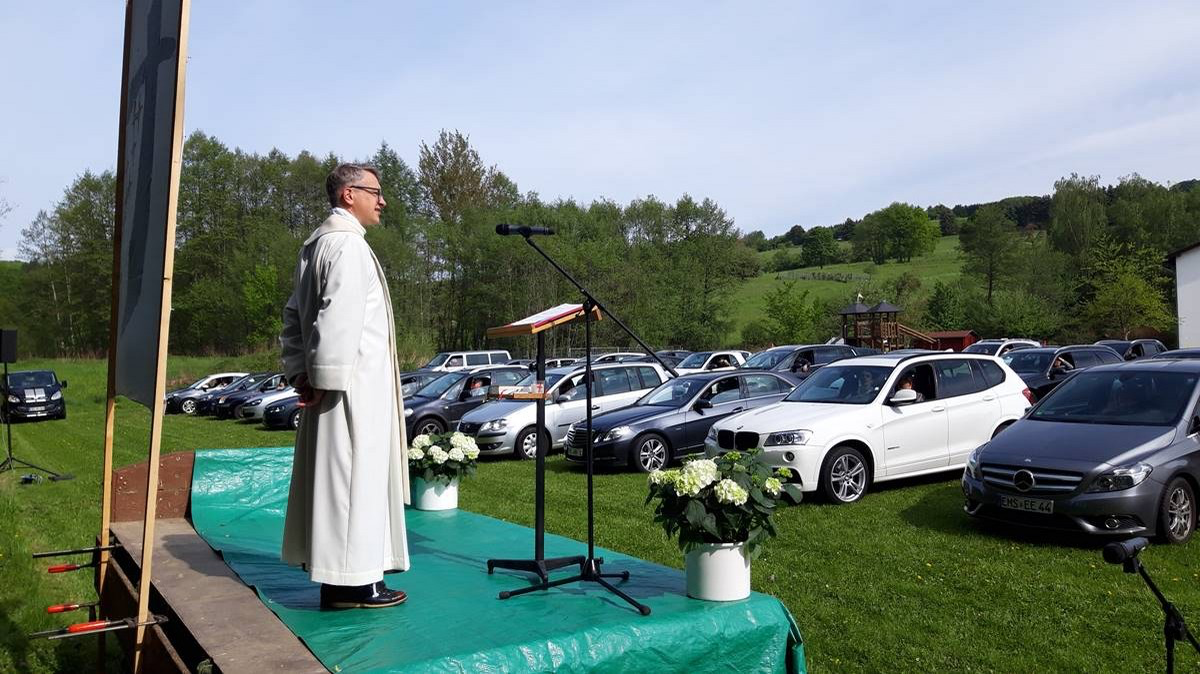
pixel 616 434
pixel 494 425
pixel 253 403
pixel 13 399
pixel 973 463
pixel 57 395
pixel 408 412
pixel 712 434
pixel 797 437
pixel 1125 477
pixel 221 400
pixel 274 408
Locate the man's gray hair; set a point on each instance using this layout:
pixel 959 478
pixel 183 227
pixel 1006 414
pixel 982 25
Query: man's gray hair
pixel 343 175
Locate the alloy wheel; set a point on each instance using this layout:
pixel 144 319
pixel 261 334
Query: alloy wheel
pixel 430 427
pixel 295 420
pixel 652 454
pixel 849 478
pixel 1179 513
pixel 188 407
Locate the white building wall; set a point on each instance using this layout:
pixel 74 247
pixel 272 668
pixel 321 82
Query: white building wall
pixel 1187 291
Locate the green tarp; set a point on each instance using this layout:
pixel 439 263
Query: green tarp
pixel 453 621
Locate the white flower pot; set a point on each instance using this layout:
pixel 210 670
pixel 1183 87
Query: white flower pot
pixel 434 495
pixel 718 572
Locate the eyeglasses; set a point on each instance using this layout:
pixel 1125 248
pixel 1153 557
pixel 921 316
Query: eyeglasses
pixel 369 190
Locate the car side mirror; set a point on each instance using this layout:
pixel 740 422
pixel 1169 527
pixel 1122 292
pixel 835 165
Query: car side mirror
pixel 1057 372
pixel 702 405
pixel 1194 427
pixel 562 398
pixel 904 396
pixel 64 383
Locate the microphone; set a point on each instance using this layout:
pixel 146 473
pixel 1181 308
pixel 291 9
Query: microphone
pixel 523 230
pixel 1120 551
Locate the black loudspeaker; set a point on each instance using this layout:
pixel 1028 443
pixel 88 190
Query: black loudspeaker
pixel 8 346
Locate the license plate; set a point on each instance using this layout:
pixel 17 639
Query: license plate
pixel 1031 505
pixel 36 409
pixel 574 451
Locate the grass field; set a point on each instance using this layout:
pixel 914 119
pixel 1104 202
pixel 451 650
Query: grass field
pixel 902 581
pixel 748 300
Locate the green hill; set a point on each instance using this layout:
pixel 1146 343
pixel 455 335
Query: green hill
pixel 941 265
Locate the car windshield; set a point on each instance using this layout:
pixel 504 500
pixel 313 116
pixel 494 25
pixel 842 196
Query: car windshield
pixel 767 360
pixel 989 348
pixel 551 380
pixel 1027 362
pixel 674 393
pixel 436 360
pixel 696 359
pixel 846 385
pixel 440 385
pixel 36 379
pixel 236 384
pixel 1116 345
pixel 1122 397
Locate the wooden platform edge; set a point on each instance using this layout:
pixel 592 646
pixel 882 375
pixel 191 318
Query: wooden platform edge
pixel 192 586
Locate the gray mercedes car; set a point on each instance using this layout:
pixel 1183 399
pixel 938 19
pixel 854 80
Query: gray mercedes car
pixel 1114 450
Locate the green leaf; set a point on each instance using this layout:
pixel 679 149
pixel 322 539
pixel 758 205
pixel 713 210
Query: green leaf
pixel 695 513
pixel 793 492
pixel 709 524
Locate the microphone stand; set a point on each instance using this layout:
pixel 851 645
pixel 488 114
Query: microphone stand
pixel 589 568
pixel 1174 627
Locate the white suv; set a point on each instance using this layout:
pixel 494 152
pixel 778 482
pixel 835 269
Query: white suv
pixel 856 421
pixel 1000 347
pixel 453 361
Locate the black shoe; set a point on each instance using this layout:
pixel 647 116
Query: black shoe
pixel 375 595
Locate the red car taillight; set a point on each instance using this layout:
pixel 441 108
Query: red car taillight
pixel 1028 396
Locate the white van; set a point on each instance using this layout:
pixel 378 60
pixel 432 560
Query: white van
pixel 452 361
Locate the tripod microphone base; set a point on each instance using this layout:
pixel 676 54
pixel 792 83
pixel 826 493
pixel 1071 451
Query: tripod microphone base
pixel 589 572
pixel 12 463
pixel 541 567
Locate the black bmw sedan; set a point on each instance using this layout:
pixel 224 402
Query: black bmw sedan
pixel 672 420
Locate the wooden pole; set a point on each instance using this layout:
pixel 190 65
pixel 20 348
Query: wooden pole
pixel 106 469
pixel 164 325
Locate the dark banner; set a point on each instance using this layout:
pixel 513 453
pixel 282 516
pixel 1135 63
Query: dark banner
pixel 150 132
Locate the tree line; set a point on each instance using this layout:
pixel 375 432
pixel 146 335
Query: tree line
pixel 1087 262
pixel 667 268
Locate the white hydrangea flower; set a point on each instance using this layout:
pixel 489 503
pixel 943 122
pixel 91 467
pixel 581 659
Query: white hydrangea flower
pixel 461 441
pixel 688 484
pixel 658 477
pixel 705 471
pixel 438 454
pixel 772 486
pixel 415 454
pixel 421 441
pixel 728 491
pixel 456 454
pixel 471 452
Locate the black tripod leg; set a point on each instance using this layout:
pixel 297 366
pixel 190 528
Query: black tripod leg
pixel 642 608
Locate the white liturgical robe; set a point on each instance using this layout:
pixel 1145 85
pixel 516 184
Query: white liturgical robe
pixel 345 514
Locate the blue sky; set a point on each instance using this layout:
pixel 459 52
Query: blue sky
pixel 788 113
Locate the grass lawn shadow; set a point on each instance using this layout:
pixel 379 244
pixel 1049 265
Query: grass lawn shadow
pixel 941 510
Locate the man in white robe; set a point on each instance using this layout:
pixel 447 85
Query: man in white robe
pixel 345 515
